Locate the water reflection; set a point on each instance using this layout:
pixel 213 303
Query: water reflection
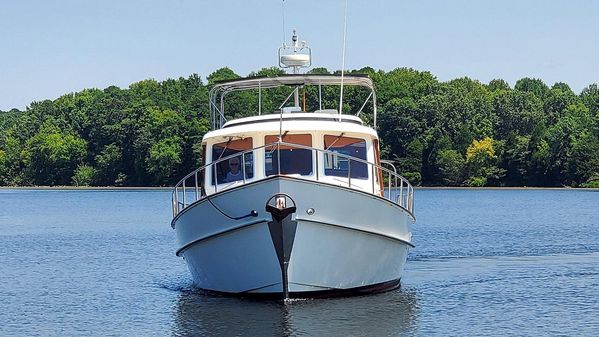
pixel 389 314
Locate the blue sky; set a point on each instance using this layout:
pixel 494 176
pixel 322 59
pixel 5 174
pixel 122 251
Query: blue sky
pixel 49 48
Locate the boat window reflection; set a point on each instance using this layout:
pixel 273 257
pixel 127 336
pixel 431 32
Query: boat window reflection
pixel 339 166
pixel 293 160
pixel 232 170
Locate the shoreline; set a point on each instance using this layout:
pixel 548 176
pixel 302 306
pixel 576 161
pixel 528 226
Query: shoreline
pixel 506 188
pixel 168 188
pixel 90 188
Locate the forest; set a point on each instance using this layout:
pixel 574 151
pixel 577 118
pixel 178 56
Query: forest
pixel 456 133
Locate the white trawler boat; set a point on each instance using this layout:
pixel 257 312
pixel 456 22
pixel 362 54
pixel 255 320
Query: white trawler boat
pixel 293 203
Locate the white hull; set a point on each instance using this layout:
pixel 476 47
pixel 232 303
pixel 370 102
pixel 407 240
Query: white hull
pixel 353 241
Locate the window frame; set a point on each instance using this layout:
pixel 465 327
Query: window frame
pixel 303 139
pixel 220 170
pixel 360 172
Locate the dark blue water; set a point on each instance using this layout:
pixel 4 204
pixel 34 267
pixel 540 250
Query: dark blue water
pixel 486 262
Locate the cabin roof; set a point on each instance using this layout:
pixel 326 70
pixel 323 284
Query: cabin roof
pixel 292 122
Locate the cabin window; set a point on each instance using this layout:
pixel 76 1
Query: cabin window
pixel 232 169
pixel 338 164
pixel 293 160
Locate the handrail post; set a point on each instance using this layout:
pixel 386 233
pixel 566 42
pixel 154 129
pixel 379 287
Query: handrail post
pixel 196 181
pixel 412 200
pixel 400 197
pixel 349 171
pixel 222 111
pixel 176 198
pixel 184 194
pixel 372 177
pixel 389 185
pixel 174 203
pixel 317 169
pixel 243 166
pixel 259 98
pixel 214 177
pixel 279 157
pixel 395 182
pixel 409 198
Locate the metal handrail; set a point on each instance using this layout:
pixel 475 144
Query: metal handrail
pixel 217 93
pixel 397 190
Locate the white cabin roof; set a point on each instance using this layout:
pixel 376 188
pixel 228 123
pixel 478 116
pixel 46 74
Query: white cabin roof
pixel 292 122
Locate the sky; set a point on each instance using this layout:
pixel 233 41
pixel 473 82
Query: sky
pixel 50 48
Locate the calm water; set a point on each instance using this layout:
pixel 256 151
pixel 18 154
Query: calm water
pixel 487 262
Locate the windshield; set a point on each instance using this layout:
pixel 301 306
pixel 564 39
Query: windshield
pixel 232 169
pixel 293 160
pixel 339 166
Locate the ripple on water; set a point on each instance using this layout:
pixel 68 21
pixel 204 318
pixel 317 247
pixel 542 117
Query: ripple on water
pixel 91 263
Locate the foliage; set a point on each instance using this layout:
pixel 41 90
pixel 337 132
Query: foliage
pixel 459 132
pixel 480 162
pixel 10 160
pixel 451 167
pixel 163 158
pixel 83 175
pixel 51 156
pixel 413 177
pixel 497 85
pixel 532 85
pixel 593 182
pixel 108 164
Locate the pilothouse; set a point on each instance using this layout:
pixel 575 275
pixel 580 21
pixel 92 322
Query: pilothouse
pixel 294 201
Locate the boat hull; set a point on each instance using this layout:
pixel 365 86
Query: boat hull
pixel 338 241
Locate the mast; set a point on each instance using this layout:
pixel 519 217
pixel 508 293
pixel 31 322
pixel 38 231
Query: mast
pixel 296 56
pixel 295 69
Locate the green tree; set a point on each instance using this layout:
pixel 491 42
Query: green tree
pixel 516 113
pixel 516 160
pixel 583 165
pixel 10 160
pixel 533 85
pixel 404 83
pixel 50 157
pixel 451 167
pixel 163 159
pixel 83 176
pixel 481 160
pixel 150 133
pixel 573 147
pixel 222 74
pixel 590 98
pixel 109 165
pixel 556 102
pixel 498 85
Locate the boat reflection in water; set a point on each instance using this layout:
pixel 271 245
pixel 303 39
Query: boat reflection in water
pixel 385 314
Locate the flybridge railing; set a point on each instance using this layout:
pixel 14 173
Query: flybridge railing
pixel 387 184
pixel 218 93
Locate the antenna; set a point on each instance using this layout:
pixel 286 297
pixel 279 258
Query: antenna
pixel 343 60
pixel 297 55
pixel 283 14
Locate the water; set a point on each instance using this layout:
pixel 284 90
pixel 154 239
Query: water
pixel 487 262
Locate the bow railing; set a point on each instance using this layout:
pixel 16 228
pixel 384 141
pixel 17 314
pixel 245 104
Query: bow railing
pixel 381 181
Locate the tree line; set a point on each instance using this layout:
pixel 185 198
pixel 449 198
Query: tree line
pixel 455 133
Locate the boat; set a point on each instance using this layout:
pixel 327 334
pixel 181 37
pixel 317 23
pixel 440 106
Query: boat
pixel 295 202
